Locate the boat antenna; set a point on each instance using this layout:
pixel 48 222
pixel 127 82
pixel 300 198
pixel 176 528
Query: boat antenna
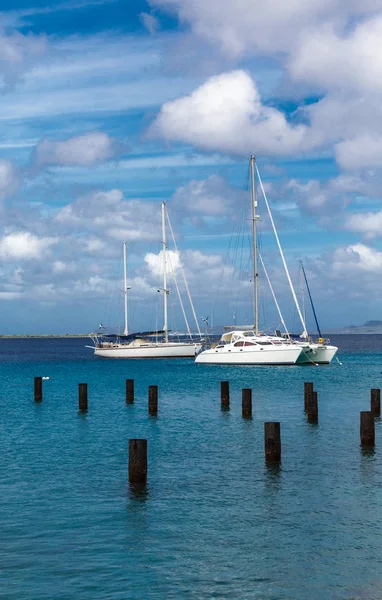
pixel 164 258
pixel 255 218
pixel 311 299
pixel 125 287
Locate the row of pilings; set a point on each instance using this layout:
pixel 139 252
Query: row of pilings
pixel 272 429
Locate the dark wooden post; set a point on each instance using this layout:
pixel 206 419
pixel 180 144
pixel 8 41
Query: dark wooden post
pixel 83 396
pixel 308 391
pixel 272 441
pixel 129 391
pixel 375 402
pixel 137 461
pixel 367 428
pixel 37 389
pixel 153 400
pixel 246 401
pixel 312 407
pixel 224 394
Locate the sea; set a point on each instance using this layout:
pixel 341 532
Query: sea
pixel 214 520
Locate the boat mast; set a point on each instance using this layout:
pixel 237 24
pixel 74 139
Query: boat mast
pixel 254 234
pixel 125 287
pixel 164 258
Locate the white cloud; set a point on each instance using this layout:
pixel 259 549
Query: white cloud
pixel 356 258
pixel 9 178
pixel 226 114
pixel 111 216
pixel 365 150
pixel 155 262
pixel 212 197
pixel 369 224
pixel 83 150
pixel 22 245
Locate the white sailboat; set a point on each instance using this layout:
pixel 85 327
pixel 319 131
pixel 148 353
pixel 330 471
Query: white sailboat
pixel 141 345
pixel 321 351
pixel 251 347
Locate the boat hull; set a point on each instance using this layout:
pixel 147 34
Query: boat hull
pixel 250 356
pixel 170 350
pixel 318 354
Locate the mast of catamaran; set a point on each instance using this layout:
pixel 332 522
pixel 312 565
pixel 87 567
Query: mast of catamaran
pixel 164 259
pixel 254 234
pixel 125 287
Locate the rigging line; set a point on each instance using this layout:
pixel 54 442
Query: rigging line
pixel 305 333
pixel 178 292
pixel 311 299
pixel 183 274
pixel 273 295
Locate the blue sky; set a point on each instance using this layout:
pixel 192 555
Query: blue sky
pixel 110 107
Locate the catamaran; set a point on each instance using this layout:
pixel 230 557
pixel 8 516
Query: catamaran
pixel 148 344
pixel 251 347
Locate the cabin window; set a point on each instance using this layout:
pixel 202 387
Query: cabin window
pixel 250 343
pixel 239 344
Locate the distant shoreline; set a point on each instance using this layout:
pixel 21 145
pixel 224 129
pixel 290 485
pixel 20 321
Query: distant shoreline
pixel 49 335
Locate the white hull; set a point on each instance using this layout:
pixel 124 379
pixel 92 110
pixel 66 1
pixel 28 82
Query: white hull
pixel 160 350
pixel 318 354
pixel 250 356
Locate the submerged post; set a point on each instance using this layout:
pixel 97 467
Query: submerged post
pixel 83 396
pixel 37 389
pixel 367 428
pixel 375 402
pixel 312 407
pixel 272 441
pixel 137 460
pixel 153 400
pixel 246 401
pixel 308 391
pixel 224 394
pixel 129 391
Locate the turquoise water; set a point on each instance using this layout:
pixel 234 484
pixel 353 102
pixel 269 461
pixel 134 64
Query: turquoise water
pixel 213 521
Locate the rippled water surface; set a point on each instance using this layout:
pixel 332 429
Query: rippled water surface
pixel 214 521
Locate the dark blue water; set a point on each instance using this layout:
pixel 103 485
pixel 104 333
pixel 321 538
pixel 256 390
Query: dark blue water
pixel 214 520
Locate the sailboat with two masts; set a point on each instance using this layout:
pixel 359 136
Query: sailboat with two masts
pixel 147 344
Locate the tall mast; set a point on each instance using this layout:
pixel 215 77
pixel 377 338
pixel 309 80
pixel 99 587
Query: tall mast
pixel 254 231
pixel 164 258
pixel 125 287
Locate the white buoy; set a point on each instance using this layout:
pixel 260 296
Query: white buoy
pixel 45 378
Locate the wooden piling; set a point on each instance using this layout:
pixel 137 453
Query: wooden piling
pixel 224 394
pixel 38 389
pixel 312 407
pixel 367 428
pixel 246 401
pixel 83 397
pixel 137 460
pixel 153 400
pixel 375 402
pixel 272 441
pixel 308 391
pixel 129 391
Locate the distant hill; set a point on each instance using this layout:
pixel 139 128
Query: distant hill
pixel 368 327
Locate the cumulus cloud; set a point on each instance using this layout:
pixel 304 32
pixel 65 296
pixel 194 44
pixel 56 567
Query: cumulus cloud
pixel 369 224
pixel 210 197
pixel 9 178
pixel 80 151
pixel 22 245
pixel 155 262
pixel 356 258
pixel 226 114
pixel 109 214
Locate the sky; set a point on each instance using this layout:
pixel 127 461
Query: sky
pixel 110 107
